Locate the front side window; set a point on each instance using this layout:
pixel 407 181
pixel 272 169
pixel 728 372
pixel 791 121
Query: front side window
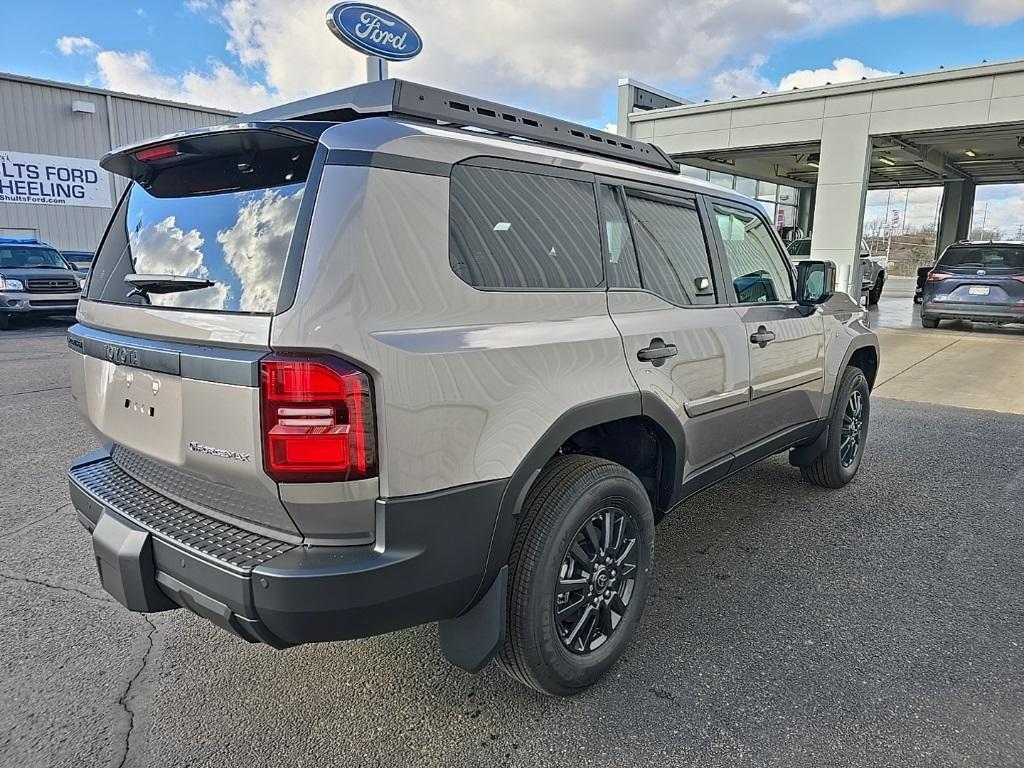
pixel 515 230
pixel 756 267
pixel 673 252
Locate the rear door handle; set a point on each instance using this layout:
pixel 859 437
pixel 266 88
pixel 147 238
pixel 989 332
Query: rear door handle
pixel 762 337
pixel 658 352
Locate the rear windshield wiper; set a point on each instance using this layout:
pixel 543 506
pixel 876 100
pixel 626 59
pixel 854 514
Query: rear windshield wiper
pixel 143 285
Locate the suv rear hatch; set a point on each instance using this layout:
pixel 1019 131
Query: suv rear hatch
pixel 981 273
pixel 176 315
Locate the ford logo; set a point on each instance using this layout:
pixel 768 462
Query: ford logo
pixel 374 31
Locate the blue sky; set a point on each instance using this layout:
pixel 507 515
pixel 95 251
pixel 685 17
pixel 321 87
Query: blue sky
pixel 560 57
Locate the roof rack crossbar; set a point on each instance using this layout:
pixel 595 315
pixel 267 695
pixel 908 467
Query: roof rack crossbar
pixel 401 98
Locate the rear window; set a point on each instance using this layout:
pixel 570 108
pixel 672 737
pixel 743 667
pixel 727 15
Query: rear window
pixel 800 248
pixel 984 257
pixel 516 230
pixel 225 219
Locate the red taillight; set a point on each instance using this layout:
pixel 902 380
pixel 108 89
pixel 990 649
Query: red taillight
pixel 161 152
pixel 934 277
pixel 318 423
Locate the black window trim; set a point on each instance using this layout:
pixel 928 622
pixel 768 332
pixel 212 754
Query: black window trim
pixel 537 169
pixel 605 252
pixel 671 197
pixel 756 211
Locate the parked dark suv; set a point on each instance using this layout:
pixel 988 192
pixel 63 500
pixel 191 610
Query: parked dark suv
pixel 978 281
pixel 35 280
pixel 356 368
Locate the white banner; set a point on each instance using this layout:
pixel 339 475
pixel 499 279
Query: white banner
pixel 52 180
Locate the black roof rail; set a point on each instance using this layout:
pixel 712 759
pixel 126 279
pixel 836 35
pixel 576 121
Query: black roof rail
pixel 401 98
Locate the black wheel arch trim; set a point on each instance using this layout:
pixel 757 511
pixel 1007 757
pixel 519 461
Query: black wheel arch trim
pixel 856 345
pixel 591 414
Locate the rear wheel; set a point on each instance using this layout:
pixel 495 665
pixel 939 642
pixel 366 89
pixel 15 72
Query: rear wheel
pixel 847 434
pixel 929 322
pixel 579 573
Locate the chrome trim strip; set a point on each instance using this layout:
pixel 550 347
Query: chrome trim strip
pixel 714 402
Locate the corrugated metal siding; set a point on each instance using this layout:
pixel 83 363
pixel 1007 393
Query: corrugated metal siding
pixel 37 117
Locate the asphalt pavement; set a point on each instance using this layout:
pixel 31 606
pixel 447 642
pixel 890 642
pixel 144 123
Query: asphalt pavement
pixel 878 625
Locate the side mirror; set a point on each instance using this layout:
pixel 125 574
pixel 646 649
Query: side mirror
pixel 815 282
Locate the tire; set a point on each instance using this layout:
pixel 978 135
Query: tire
pixel 5 322
pixel 835 467
pixel 876 292
pixel 929 322
pixel 556 535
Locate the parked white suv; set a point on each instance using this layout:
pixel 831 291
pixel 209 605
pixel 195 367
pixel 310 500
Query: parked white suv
pixel 356 368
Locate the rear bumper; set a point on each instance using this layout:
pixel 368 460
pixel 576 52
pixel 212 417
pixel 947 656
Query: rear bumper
pixel 986 313
pixel 154 554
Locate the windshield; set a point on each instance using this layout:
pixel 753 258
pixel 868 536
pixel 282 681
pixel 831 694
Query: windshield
pixel 30 257
pixel 238 240
pixel 984 257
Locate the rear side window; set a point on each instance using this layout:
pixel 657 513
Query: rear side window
pixel 673 252
pixel 513 230
pixel 213 220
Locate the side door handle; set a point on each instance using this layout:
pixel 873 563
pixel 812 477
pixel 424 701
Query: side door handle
pixel 762 336
pixel 658 352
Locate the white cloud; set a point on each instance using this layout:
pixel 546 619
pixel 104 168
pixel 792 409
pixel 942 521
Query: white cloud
pixel 166 249
pixel 562 56
pixel 221 87
pixel 256 245
pixel 743 81
pixel 974 11
pixel 841 71
pixel 69 45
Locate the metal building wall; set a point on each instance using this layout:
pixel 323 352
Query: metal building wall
pixel 36 116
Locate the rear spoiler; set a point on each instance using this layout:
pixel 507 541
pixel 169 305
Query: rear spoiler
pixel 198 142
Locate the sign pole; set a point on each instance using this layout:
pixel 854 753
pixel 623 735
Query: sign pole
pixel 376 69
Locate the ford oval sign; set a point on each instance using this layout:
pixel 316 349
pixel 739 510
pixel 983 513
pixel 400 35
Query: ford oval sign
pixel 374 31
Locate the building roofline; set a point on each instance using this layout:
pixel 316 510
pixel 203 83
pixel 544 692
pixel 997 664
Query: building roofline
pixel 837 89
pixel 119 94
pixel 652 89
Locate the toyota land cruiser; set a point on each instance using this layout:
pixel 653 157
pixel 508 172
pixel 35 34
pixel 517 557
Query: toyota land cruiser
pixel 392 355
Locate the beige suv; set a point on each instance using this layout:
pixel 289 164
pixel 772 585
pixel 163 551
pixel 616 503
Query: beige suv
pixel 392 355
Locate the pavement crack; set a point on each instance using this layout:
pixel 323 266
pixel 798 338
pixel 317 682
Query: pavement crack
pixel 35 391
pixel 58 587
pixel 918 362
pixel 124 701
pixel 31 523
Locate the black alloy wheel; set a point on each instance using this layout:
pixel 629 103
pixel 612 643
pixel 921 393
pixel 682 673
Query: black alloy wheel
pixel 596 580
pixel 853 428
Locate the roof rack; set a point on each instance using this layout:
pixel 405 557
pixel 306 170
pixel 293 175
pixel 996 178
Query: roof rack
pixel 401 98
pixel 22 241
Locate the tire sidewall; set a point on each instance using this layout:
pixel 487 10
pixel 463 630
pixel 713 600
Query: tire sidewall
pixel 568 672
pixel 853 381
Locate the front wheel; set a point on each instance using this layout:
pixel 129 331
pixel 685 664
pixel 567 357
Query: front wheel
pixel 847 434
pixel 579 573
pixel 929 322
pixel 876 291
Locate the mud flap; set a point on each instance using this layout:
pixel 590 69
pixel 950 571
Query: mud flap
pixel 471 640
pixel 124 557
